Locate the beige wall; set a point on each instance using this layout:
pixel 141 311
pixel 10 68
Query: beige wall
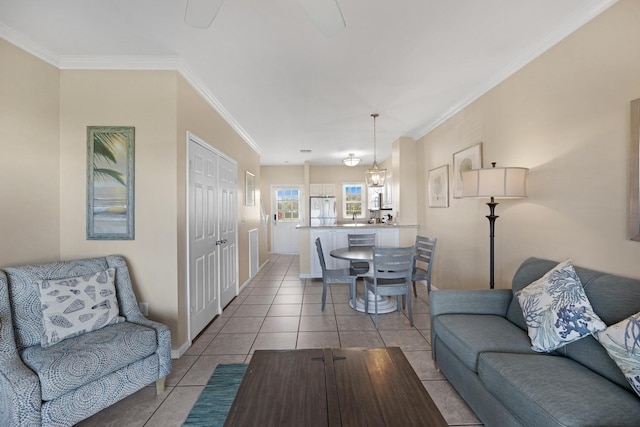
pixel 147 101
pixel 29 128
pixel 44 113
pixel 566 117
pixel 198 117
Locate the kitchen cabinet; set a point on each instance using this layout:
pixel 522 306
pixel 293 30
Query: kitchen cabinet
pixel 322 190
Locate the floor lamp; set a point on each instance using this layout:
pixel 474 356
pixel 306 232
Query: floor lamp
pixel 495 183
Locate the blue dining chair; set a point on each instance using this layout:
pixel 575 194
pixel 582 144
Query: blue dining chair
pixel 359 268
pixel 392 271
pixel 423 260
pixel 341 275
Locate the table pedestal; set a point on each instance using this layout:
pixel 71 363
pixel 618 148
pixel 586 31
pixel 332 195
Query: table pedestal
pixel 385 304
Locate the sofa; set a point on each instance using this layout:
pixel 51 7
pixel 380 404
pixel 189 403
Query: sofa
pixel 51 380
pixel 480 343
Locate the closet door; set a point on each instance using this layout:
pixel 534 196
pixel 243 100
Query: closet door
pixel 204 207
pixel 227 185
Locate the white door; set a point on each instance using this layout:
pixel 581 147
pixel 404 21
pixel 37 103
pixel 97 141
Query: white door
pixel 204 299
pixel 213 267
pixel 227 186
pixel 287 212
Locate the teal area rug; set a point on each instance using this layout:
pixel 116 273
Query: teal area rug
pixel 212 407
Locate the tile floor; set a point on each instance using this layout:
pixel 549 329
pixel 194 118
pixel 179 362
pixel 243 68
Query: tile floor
pixel 277 310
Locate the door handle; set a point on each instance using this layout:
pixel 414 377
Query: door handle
pixel 221 242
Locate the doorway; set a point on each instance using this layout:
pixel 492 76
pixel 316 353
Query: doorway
pixel 212 233
pixel 287 212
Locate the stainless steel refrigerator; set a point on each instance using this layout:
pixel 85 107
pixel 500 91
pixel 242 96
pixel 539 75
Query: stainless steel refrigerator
pixel 322 211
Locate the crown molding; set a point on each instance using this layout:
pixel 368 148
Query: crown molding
pixel 113 62
pixel 29 45
pixel 197 84
pixel 559 33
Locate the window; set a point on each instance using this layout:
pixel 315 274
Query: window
pixel 288 203
pixel 353 200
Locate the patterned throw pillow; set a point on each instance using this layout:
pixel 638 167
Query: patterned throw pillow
pixel 622 342
pixel 74 306
pixel 557 310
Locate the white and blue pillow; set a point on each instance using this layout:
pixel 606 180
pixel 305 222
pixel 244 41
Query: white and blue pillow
pixel 557 310
pixel 76 305
pixel 622 342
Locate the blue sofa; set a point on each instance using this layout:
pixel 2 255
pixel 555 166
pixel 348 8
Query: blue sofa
pixel 77 377
pixel 480 343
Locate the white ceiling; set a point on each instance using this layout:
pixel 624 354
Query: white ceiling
pixel 284 86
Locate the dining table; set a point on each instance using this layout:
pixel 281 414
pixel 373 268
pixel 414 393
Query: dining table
pixel 365 254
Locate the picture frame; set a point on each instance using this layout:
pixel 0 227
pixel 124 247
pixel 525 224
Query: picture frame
pixel 634 173
pixel 439 187
pixel 110 183
pixel 250 189
pixel 463 161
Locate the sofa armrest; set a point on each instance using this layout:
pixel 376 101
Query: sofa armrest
pixel 164 340
pixel 20 397
pixel 131 312
pixel 485 301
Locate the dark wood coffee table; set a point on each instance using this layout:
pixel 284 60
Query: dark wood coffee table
pixel 332 387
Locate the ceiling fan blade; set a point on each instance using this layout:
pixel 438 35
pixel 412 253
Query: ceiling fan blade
pixel 201 13
pixel 326 14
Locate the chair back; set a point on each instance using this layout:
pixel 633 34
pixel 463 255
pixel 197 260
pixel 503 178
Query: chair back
pixel 321 256
pixel 362 239
pixel 393 264
pixel 425 251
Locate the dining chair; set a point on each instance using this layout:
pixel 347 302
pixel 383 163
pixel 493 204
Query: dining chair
pixel 341 275
pixel 392 271
pixel 359 268
pixel 423 261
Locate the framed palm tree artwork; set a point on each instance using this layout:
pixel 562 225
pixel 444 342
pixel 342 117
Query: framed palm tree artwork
pixel 110 183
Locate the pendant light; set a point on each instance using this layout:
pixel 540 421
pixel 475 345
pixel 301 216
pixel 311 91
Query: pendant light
pixel 375 176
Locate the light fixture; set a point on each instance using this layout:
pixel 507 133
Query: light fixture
pixel 495 183
pixel 375 176
pixel 351 161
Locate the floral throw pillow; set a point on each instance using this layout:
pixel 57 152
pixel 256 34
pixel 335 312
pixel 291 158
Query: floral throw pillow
pixel 556 309
pixel 74 306
pixel 622 342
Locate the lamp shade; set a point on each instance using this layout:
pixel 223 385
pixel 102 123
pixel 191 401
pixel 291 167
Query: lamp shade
pixel 495 182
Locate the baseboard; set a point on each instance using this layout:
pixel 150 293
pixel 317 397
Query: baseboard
pixel 177 353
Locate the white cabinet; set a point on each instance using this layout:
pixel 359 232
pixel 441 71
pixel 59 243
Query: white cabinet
pixel 333 238
pixel 322 190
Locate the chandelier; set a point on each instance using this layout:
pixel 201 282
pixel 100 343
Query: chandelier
pixel 375 176
pixel 351 161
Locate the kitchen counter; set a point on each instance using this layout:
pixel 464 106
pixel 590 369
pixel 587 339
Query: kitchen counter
pixel 352 226
pixel 336 236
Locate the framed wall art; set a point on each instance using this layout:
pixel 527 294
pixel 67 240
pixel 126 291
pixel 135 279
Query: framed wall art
pixel 250 189
pixel 465 160
pixel 110 183
pixel 634 173
pixel 439 187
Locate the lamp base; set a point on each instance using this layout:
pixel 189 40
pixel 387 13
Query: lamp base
pixel 492 225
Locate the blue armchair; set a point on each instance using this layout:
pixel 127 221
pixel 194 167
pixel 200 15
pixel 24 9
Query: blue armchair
pixel 69 381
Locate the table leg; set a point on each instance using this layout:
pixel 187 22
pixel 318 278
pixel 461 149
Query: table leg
pixel 385 304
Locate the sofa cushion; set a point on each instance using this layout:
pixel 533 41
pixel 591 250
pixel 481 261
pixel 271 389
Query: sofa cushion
pixel 468 335
pixel 546 390
pixel 80 360
pixel 557 310
pixel 622 342
pixel 77 305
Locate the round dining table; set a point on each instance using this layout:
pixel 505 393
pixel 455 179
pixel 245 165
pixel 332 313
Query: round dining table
pixel 365 254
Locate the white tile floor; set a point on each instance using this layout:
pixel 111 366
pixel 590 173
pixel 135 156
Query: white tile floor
pixel 277 310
